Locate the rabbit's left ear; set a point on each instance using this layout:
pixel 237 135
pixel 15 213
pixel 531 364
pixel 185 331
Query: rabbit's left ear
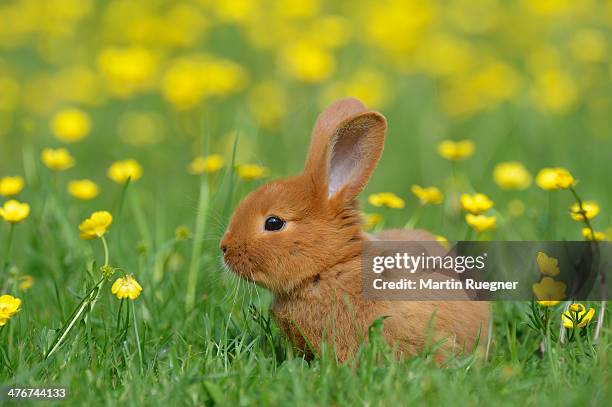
pixel 344 163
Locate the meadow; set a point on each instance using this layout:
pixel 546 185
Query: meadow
pixel 129 130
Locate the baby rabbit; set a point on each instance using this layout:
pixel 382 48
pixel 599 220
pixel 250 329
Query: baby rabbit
pixel 300 237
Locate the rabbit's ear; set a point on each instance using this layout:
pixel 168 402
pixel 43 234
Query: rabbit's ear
pixel 347 142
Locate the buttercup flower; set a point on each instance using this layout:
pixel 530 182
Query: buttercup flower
pixel 590 208
pixel 251 172
pixel 549 266
pixel 594 235
pixel 57 159
pixel 578 315
pixel 70 125
pixel 386 199
pixel 96 225
pixel 511 175
pixel 9 306
pixel 10 186
pixel 555 178
pixel 476 204
pixel 126 287
pixel 14 211
pixel 429 195
pixel 456 150
pixel 549 290
pixel 370 220
pixel 443 241
pixel 481 223
pixel 121 171
pixel 209 164
pixel 84 189
pixel 25 282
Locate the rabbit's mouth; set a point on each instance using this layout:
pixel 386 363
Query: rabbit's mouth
pixel 241 268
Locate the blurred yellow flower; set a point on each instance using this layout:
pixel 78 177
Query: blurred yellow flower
pixel 57 159
pixel 208 164
pixel 127 69
pixel 141 128
pixel 481 223
pixel 308 62
pixel 443 241
pixel 96 225
pixel 386 199
pixel 251 172
pixel 590 209
pixel 555 178
pixel 456 150
pixel 10 186
pixel 476 203
pixel 14 211
pixel 126 287
pixel 516 208
pixel 25 282
pixel 548 303
pixel 549 290
pixel 367 85
pixel 70 125
pixel 554 91
pixel 9 306
pixel 577 316
pixel 370 220
pixel 589 45
pixel 593 235
pixel 428 195
pixel 84 189
pixel 511 175
pixel 548 266
pixel 182 233
pixel 121 171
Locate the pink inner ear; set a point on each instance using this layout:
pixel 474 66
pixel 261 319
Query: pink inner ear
pixel 348 159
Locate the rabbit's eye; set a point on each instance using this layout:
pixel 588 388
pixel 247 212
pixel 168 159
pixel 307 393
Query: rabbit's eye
pixel 274 223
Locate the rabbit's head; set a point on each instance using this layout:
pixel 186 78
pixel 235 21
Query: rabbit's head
pixel 289 231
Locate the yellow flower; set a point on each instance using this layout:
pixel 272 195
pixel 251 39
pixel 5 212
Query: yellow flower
pixel 70 125
pixel 511 175
pixel 126 287
pixel 370 220
pixel 590 209
pixel 121 171
pixel 595 235
pixel 428 195
pixel 443 241
pixel 211 163
pixel 25 282
pixel 251 172
pixel 10 186
pixel 549 290
pixel 456 150
pixel 516 208
pixel 476 204
pixel 577 314
pixel 57 159
pixel 308 62
pixel 548 303
pixel 9 306
pixel 548 266
pixel 386 199
pixel 481 223
pixel 14 211
pixel 83 189
pixel 555 178
pixel 96 225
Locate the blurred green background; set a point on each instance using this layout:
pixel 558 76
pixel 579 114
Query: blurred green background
pixel 164 81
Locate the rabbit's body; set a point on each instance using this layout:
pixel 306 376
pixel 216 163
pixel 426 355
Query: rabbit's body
pixel 301 238
pixel 331 308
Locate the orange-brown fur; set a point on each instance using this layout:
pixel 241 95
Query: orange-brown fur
pixel 313 265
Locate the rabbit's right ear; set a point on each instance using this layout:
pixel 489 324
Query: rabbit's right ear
pixel 347 142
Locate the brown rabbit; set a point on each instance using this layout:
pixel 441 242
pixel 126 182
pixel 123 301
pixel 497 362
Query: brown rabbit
pixel 300 237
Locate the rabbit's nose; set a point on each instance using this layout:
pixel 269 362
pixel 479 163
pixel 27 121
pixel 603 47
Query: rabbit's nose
pixel 223 248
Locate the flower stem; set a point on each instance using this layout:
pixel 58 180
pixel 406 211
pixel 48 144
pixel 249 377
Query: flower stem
pixel 7 251
pixel 106 254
